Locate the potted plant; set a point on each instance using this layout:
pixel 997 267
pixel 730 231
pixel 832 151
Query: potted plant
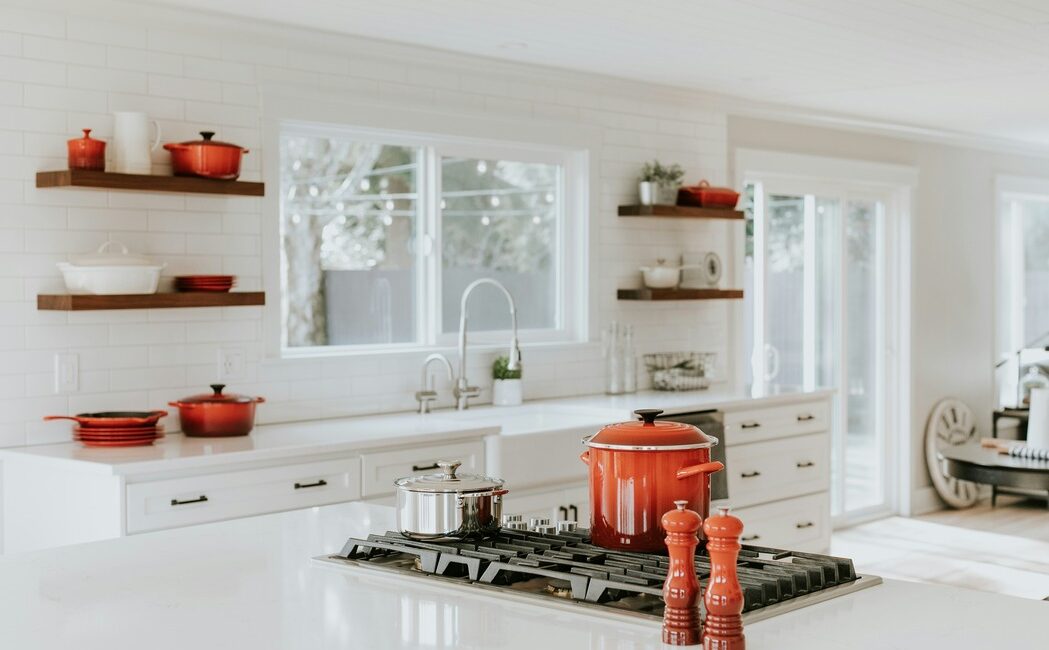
pixel 506 384
pixel 658 184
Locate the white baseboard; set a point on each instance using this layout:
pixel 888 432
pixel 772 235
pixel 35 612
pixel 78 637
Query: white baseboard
pixel 925 500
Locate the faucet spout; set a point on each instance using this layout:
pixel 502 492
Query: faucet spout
pixel 463 390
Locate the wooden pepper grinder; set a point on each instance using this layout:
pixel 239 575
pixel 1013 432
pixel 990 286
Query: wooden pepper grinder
pixel 723 628
pixel 681 592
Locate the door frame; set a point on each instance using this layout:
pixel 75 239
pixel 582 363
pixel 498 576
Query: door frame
pixel 893 185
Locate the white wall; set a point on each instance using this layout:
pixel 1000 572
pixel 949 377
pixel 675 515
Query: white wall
pixel 952 271
pixel 67 65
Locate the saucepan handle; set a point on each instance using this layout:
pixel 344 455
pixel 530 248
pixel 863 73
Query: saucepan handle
pixel 702 468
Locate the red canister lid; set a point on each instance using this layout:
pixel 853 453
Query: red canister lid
pixel 648 434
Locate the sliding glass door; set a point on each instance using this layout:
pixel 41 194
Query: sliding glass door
pixel 816 267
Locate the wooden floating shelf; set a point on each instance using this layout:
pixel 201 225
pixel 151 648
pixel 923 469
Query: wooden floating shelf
pixel 679 211
pixel 146 182
pixel 680 294
pixel 70 302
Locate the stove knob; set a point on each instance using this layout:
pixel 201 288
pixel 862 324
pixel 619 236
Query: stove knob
pixel 508 519
pixel 567 526
pixel 546 529
pixel 536 522
pixel 517 525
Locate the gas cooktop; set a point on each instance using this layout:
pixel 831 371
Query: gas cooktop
pixel 564 569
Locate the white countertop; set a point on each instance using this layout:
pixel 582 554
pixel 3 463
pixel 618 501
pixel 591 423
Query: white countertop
pixel 251 583
pixel 300 439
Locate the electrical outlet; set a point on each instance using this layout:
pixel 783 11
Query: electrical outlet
pixel 231 363
pixel 67 372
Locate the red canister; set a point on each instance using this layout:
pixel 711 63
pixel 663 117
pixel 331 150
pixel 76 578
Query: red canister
pixel 637 471
pixel 87 152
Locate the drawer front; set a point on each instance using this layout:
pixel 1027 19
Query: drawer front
pixel 755 425
pixel 215 497
pixel 802 523
pixel 382 468
pixel 768 471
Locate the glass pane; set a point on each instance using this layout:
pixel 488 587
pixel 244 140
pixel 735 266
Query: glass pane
pixel 864 451
pixel 785 289
pixel 827 319
pixel 499 219
pixel 349 213
pixel 748 283
pixel 1036 271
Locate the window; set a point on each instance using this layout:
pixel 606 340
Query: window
pixel 1023 287
pixel 380 234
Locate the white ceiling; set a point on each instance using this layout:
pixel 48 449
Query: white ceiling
pixel 973 66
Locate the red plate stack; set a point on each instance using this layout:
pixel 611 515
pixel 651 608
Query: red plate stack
pixel 220 283
pixel 118 437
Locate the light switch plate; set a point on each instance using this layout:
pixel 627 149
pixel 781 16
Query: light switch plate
pixel 231 363
pixel 67 372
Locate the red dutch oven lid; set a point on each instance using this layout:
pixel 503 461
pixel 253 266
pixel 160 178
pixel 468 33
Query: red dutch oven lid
pixel 648 434
pixel 206 142
pixel 216 396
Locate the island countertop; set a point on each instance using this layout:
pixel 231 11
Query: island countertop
pixel 252 583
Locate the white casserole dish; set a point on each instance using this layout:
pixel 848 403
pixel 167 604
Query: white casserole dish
pixel 104 273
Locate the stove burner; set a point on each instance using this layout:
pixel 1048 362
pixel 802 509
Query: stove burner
pixel 566 567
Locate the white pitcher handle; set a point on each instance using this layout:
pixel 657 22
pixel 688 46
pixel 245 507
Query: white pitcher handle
pixel 156 139
pixel 106 244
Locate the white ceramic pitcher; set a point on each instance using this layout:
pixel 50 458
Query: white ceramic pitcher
pixel 131 144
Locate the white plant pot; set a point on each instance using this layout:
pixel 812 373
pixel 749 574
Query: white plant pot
pixel 506 392
pixel 647 193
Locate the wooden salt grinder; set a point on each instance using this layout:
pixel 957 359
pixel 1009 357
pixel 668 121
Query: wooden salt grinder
pixel 681 592
pixel 723 628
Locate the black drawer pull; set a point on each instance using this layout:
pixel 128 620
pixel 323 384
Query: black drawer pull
pixel 805 464
pixel 750 538
pixel 201 499
pixel 804 524
pixel 750 474
pixel 422 468
pixel 574 512
pixel 320 483
pixel 750 425
pixel 806 417
pixel 563 511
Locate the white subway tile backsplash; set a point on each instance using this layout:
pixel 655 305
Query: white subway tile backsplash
pixel 185 88
pixel 171 221
pixel 156 107
pixel 140 60
pixel 222 114
pixel 32 71
pixel 63 51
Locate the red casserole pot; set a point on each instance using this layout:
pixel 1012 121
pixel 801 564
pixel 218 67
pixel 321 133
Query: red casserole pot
pixel 86 152
pixel 703 195
pixel 207 157
pixel 637 471
pixel 217 415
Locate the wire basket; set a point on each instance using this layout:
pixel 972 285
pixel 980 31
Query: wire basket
pixel 680 370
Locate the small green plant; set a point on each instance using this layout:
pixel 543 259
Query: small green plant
pixel 501 370
pixel 655 172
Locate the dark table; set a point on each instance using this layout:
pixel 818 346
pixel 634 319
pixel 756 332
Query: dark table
pixel 971 462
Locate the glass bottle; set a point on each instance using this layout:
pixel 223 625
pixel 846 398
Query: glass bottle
pixel 629 361
pixel 613 360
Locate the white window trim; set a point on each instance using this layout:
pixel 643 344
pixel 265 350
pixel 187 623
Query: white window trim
pixel 897 182
pixel 570 145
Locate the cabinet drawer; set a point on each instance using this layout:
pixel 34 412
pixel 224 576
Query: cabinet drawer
pixel 799 523
pixel 214 497
pixel 754 425
pixel 382 468
pixel 778 469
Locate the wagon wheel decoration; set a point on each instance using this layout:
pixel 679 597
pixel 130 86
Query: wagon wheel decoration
pixel 950 424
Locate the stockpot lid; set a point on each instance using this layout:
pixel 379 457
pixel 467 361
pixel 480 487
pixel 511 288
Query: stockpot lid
pixel 449 481
pixel 217 396
pixel 648 434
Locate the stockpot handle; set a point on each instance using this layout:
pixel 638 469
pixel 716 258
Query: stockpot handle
pixel 585 456
pixel 702 468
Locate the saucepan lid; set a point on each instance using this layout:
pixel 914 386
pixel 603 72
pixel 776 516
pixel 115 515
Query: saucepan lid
pixel 449 480
pixel 649 434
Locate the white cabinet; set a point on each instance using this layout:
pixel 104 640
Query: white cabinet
pixel 565 503
pixel 800 524
pixel 381 469
pixel 778 469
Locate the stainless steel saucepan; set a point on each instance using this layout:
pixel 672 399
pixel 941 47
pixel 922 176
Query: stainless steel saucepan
pixel 449 505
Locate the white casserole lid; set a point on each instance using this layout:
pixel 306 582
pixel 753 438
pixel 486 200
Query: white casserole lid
pixel 103 257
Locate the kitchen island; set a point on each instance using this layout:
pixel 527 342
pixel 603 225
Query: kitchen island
pixel 253 583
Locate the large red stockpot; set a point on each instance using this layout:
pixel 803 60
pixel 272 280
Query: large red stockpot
pixel 637 471
pixel 217 415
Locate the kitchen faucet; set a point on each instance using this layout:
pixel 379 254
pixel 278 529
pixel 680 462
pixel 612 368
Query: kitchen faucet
pixel 428 394
pixel 463 391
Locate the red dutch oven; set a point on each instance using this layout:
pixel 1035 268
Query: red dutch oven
pixel 207 157
pixel 217 415
pixel 637 471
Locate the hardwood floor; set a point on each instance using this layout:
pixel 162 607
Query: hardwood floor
pixel 1002 550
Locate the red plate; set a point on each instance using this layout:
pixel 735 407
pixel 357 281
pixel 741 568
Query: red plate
pixel 114 436
pixel 121 431
pixel 118 443
pixel 204 289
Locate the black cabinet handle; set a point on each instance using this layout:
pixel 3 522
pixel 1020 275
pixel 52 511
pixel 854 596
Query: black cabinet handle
pixel 749 538
pixel 320 483
pixel 807 463
pixel 806 417
pixel 574 512
pixel 420 468
pixel 201 499
pixel 750 425
pixel 563 511
pixel 804 524
pixel 750 474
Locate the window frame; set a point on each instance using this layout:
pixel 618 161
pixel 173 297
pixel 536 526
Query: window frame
pixel 571 256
